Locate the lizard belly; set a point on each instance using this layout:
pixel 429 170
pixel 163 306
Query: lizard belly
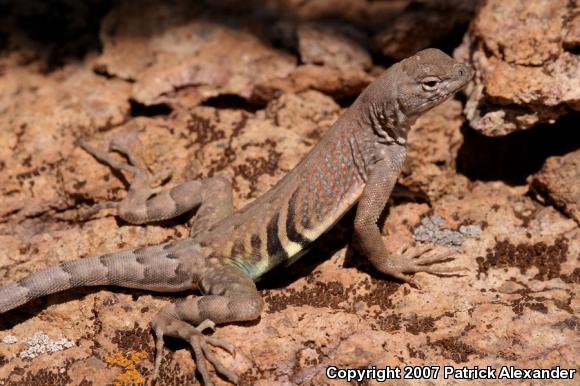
pixel 295 250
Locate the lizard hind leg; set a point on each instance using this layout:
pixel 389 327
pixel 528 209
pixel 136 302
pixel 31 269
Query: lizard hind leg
pixel 231 296
pixel 145 204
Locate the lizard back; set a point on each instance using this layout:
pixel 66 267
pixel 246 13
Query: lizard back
pixel 279 225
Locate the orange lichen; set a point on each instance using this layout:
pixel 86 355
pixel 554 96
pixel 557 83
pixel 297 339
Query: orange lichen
pixel 128 361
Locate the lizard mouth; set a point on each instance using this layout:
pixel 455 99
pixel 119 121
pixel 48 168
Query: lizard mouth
pixel 433 101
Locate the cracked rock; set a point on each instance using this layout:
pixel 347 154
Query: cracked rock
pixel 527 68
pixel 558 182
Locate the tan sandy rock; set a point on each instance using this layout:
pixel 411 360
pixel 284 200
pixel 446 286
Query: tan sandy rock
pixel 332 46
pixel 41 117
pixel 558 182
pixel 520 280
pixel 514 304
pixel 171 51
pixel 434 142
pixel 422 24
pixel 527 71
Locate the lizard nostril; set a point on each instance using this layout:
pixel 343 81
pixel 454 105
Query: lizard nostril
pixel 461 72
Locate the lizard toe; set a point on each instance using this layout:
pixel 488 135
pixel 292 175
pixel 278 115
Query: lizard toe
pixel 416 252
pixel 408 261
pixel 433 258
pixel 166 325
pixel 159 344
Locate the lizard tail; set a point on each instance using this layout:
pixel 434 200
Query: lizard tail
pixel 155 268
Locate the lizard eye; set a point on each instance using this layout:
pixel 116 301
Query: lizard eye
pixel 429 83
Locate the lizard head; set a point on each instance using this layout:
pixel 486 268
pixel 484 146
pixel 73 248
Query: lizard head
pixel 393 102
pixel 428 78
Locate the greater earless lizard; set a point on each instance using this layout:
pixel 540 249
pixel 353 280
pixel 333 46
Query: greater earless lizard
pixel 357 160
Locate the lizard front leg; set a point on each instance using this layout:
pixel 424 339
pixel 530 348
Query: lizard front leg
pixel 381 180
pixel 212 196
pixel 231 297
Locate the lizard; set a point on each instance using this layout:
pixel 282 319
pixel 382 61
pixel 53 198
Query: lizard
pixel 357 162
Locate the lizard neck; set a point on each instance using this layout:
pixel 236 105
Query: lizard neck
pixel 384 112
pixel 387 121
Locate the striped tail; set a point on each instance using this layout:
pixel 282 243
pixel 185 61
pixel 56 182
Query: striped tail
pixel 157 268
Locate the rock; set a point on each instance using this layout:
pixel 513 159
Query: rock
pixel 167 52
pixel 110 330
pixel 558 183
pixel 334 60
pixel 332 46
pixel 434 142
pixel 431 231
pixel 44 37
pixel 360 12
pixel 423 24
pixel 520 267
pixel 339 83
pixel 43 114
pixel 527 71
pixel 515 302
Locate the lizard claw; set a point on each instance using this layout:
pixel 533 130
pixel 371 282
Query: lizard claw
pixel 85 214
pixel 206 325
pixel 406 262
pixel 227 346
pixel 166 325
pixel 418 251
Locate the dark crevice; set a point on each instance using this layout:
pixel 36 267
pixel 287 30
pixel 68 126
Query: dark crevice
pixel 283 35
pixel 56 32
pixel 103 72
pixel 446 38
pixel 232 101
pixel 574 50
pixel 512 158
pixel 345 101
pixel 543 198
pixel 379 59
pixel 141 110
pixel 452 40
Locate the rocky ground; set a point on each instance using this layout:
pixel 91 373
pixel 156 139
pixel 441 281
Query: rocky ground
pixel 247 88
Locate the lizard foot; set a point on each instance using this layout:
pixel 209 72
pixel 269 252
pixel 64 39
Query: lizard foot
pixel 165 325
pixel 141 187
pixel 408 261
pixel 123 145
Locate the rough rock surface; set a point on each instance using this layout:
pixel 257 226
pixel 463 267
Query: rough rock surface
pixel 172 74
pixel 333 46
pixel 423 24
pixel 176 52
pixel 558 181
pixel 528 67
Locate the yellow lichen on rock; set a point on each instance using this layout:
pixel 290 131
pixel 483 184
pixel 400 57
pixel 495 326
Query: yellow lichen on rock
pixel 128 361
